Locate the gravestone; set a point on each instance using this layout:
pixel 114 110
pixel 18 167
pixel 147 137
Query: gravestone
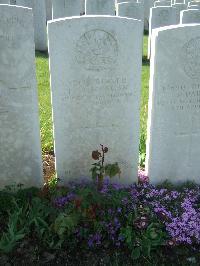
pixel 178 8
pixel 147 5
pixel 100 7
pixel 131 1
pixel 39 15
pixel 190 16
pixel 160 17
pixel 20 150
pixel 131 10
pixel 66 8
pixel 194 5
pixel 13 2
pixel 162 3
pixel 173 149
pixel 95 87
pixel 48 9
pixel 82 7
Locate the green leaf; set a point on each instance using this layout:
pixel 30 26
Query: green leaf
pixel 135 254
pixel 112 170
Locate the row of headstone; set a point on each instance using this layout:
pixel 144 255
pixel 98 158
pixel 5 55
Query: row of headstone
pixel 131 10
pixel 165 13
pixel 173 149
pixel 98 48
pixel 39 18
pixel 102 103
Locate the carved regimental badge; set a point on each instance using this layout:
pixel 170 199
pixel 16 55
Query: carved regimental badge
pixel 97 50
pixel 191 58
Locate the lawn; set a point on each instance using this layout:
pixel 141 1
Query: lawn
pixel 45 99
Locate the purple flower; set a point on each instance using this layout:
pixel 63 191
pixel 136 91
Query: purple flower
pixel 94 240
pixel 142 177
pixel 62 201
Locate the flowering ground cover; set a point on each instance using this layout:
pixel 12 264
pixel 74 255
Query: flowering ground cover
pixel 83 225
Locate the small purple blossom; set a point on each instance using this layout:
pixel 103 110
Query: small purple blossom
pixel 62 201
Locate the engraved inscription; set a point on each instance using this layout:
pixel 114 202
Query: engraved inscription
pixel 180 97
pixel 99 91
pixel 191 58
pixel 97 50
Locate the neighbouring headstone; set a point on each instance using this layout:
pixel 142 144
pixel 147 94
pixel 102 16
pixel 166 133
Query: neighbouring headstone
pixel 173 149
pixel 39 15
pixel 162 3
pixel 48 9
pixel 131 1
pixel 159 17
pixel 20 150
pixel 100 7
pixel 5 2
pixel 147 5
pixel 178 8
pixel 131 10
pixel 82 7
pixel 95 87
pixel 66 8
pixel 194 5
pixel 190 16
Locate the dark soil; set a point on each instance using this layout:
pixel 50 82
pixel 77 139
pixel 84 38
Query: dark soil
pixel 28 255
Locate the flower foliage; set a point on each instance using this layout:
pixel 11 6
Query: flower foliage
pixel 141 219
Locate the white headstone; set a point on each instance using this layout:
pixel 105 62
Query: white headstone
pixel 178 8
pixel 190 16
pixel 49 9
pixel 95 92
pixel 194 5
pixel 100 7
pixel 147 5
pixel 66 8
pixel 82 7
pixel 39 14
pixel 20 150
pixel 131 10
pixel 162 3
pixel 160 17
pixel 173 149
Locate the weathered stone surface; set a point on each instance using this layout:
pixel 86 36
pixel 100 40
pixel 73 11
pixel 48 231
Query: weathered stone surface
pixel 131 10
pixel 162 3
pixel 173 149
pixel 39 15
pixel 190 16
pixel 66 8
pixel 178 8
pixel 147 5
pixel 49 9
pixel 100 7
pixel 5 2
pixel 95 92
pixel 160 17
pixel 82 7
pixel 20 150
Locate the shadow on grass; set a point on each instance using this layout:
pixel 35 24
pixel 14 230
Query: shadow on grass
pixel 42 54
pixel 145 61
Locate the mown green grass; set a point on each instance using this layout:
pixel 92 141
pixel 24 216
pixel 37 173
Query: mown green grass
pixel 42 70
pixel 43 79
